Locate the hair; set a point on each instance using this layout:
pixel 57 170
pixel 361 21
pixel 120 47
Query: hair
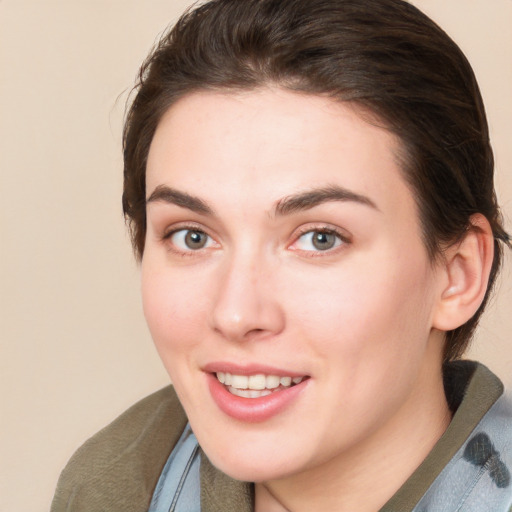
pixel 384 56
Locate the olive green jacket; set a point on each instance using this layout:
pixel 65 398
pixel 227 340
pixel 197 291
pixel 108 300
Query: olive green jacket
pixel 118 468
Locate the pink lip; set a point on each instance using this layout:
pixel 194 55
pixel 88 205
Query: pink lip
pixel 249 369
pixel 252 410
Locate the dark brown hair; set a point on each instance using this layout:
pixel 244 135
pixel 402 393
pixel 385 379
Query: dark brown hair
pixel 383 55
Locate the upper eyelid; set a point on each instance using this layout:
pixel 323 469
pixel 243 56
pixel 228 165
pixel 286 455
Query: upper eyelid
pixel 343 234
pixel 185 226
pixel 345 238
pixel 173 247
pixel 324 227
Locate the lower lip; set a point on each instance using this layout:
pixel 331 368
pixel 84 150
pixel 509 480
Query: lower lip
pixel 253 410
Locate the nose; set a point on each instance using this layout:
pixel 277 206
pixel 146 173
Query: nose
pixel 246 305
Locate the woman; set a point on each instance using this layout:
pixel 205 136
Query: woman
pixel 309 187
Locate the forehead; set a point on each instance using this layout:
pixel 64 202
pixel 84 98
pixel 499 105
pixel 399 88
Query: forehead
pixel 271 143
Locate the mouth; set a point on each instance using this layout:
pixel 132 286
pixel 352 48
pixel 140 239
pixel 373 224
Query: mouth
pixel 253 393
pixel 258 385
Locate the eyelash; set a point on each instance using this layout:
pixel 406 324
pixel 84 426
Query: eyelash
pixel 166 237
pixel 342 237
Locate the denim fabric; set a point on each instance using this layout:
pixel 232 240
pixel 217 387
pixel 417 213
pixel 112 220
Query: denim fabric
pixel 178 488
pixel 478 478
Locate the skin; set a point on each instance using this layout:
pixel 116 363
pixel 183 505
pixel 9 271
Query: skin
pixel 359 319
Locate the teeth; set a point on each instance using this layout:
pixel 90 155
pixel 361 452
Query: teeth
pixel 249 393
pixel 272 381
pixel 285 381
pixel 240 381
pixel 258 382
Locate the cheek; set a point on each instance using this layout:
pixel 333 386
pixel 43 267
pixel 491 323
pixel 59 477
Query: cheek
pixel 370 310
pixel 171 309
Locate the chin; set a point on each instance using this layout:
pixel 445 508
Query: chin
pixel 250 462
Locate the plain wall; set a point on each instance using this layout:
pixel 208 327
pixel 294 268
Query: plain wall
pixel 75 351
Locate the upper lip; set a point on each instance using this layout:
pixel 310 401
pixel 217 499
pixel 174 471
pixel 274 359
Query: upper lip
pixel 249 369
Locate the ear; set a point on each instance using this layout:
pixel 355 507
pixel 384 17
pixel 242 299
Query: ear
pixel 465 274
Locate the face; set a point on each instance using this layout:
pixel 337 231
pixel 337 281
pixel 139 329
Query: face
pixel 284 279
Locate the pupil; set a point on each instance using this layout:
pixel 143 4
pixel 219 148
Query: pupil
pixel 195 239
pixel 324 241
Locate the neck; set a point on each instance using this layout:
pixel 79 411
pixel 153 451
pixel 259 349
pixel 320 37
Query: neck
pixel 365 477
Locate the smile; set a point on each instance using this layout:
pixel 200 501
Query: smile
pixel 254 393
pixel 256 386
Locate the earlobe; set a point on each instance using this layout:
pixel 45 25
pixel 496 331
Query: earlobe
pixel 466 268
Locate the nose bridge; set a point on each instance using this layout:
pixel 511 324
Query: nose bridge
pixel 244 306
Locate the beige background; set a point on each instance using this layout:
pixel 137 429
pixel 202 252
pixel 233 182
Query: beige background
pixel 74 347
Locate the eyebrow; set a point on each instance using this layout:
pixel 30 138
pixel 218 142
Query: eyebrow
pixel 166 194
pixel 311 198
pixel 288 205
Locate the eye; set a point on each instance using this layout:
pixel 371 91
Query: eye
pixel 190 239
pixel 319 240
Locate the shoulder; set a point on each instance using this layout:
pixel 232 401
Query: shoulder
pixel 478 476
pixel 485 462
pixel 117 469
